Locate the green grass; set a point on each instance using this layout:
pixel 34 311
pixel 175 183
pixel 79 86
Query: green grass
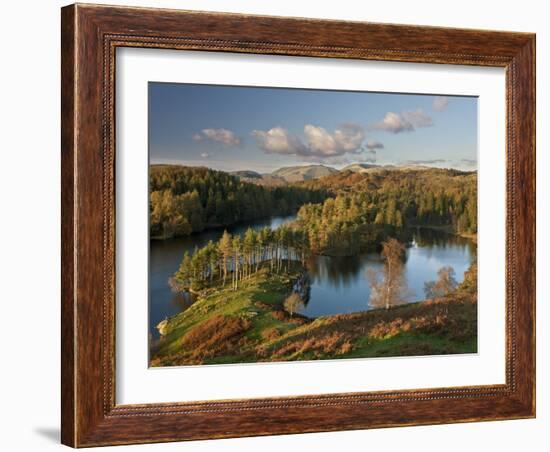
pixel 255 301
pixel 262 331
pixel 406 344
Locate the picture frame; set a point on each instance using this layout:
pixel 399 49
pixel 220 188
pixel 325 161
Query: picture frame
pixel 90 36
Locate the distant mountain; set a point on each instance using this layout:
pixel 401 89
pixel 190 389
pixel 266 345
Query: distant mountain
pixel 259 179
pixel 371 179
pixel 372 168
pixel 247 174
pixel 302 173
pixel 291 174
pixel 360 167
pixel 414 166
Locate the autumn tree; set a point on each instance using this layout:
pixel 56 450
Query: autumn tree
pixel 182 278
pixel 293 303
pixel 469 284
pixel 444 285
pixel 388 286
pixel 166 215
pixel 339 215
pixel 184 200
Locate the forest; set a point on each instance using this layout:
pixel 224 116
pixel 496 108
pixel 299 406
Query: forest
pixel 434 197
pixel 235 258
pixel 350 220
pixel 344 213
pixel 184 200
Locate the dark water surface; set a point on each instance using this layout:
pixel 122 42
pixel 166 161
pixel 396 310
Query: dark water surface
pixel 338 284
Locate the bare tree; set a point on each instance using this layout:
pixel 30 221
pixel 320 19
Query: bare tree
pixel 445 284
pixel 389 286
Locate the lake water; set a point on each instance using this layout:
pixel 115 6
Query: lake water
pixel 338 284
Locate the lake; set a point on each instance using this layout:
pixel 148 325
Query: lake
pixel 338 284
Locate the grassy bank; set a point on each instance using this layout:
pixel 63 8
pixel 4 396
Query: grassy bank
pixel 250 324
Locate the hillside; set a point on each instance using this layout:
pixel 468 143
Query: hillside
pixel 303 173
pixel 285 175
pixel 252 177
pixel 372 168
pixel 184 200
pixel 360 167
pixel 248 174
pixel 251 325
pixel 433 179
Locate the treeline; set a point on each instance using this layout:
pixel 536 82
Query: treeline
pixel 235 258
pixel 188 199
pixel 348 224
pixel 377 206
pixel 434 197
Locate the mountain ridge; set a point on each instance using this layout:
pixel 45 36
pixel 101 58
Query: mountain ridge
pixel 303 173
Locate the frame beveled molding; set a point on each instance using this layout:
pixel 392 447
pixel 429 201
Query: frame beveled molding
pixel 90 36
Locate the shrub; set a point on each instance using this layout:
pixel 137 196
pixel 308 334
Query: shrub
pixel 270 334
pixel 215 336
pixel 293 303
pixel 279 315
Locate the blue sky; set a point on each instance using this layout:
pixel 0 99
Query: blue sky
pixel 236 128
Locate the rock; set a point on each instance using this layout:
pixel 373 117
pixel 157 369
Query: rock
pixel 162 326
pixel 302 286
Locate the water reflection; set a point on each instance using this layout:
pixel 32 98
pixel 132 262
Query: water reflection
pixel 165 257
pixel 181 301
pixel 338 284
pixel 338 271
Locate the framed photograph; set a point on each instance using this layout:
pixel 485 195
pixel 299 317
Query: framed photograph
pixel 281 225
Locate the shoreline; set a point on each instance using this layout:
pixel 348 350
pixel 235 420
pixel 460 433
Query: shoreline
pixel 251 325
pixel 447 229
pixel 222 227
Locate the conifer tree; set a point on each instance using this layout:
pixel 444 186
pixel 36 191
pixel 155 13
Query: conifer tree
pixel 225 248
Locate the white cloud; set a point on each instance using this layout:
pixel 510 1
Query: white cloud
pixel 440 103
pixel 348 138
pixel 224 136
pixel 394 123
pixel 373 144
pixel 407 121
pixel 417 118
pixel 205 155
pixel 279 141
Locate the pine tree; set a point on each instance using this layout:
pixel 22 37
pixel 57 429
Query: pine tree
pixel 249 246
pixel 236 244
pixel 225 248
